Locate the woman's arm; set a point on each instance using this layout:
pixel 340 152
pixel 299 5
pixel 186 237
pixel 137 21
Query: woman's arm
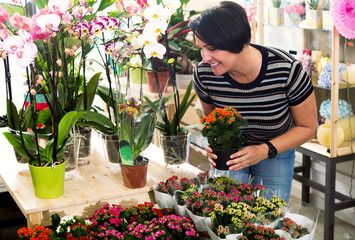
pixel 206 108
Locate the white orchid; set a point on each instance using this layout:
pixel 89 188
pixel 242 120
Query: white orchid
pixel 61 6
pixel 13 43
pixel 172 5
pixel 136 61
pixel 156 28
pixel 26 55
pixel 156 12
pixel 48 22
pixel 154 50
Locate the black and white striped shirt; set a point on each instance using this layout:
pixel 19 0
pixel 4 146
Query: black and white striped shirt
pixel 265 102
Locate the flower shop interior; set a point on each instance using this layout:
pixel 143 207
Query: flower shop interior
pixel 135 163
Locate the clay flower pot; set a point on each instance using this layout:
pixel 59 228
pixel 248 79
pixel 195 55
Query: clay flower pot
pixel 135 176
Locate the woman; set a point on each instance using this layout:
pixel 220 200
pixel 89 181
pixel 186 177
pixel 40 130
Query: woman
pixel 267 86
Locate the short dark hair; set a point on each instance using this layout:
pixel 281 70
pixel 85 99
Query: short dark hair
pixel 224 27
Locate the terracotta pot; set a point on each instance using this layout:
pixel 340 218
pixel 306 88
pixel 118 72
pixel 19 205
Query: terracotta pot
pixel 135 176
pixel 163 78
pixel 223 157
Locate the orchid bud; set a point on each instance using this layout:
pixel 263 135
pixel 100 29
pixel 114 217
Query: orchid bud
pixel 75 48
pixel 54 34
pixel 33 91
pixel 82 2
pixel 91 62
pixel 39 79
pixel 67 51
pixel 60 74
pixel 3 55
pixel 71 53
pixel 125 67
pixel 81 63
pixel 81 11
pixel 90 9
pixel 59 62
pixel 78 45
pixel 90 39
pixel 71 31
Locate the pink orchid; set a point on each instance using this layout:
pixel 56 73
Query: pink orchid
pixel 48 22
pixel 37 33
pixel 67 18
pixel 13 43
pixel 4 15
pixel 60 7
pixel 4 33
pixel 21 22
pixel 26 55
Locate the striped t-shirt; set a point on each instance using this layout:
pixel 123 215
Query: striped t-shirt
pixel 265 102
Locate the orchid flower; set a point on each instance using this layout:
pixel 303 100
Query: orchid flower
pixel 61 6
pixel 4 15
pixel 13 43
pixel 136 61
pixel 21 22
pixel 132 107
pixel 48 22
pixel 154 50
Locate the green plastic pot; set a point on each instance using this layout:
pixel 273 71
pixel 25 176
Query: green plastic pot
pixel 48 182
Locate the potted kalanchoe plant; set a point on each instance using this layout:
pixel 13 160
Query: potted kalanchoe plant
pixel 222 128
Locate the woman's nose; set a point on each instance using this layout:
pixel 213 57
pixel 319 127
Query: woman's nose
pixel 205 57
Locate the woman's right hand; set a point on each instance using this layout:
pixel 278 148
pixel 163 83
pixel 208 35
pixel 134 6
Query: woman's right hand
pixel 211 156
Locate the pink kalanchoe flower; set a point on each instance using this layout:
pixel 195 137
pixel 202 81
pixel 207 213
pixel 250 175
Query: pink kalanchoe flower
pixel 4 15
pixel 21 22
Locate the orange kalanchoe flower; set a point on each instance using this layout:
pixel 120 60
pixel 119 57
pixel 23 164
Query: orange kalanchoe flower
pixel 222 128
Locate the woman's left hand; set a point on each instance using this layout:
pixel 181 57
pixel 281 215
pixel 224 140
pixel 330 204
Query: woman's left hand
pixel 248 156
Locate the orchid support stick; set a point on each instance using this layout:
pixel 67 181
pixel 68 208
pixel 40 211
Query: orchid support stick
pixel 84 78
pixel 33 108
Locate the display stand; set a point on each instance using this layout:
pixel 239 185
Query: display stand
pixel 303 174
pixel 94 185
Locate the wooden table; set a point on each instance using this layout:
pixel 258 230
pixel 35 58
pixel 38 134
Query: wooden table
pixel 95 184
pixel 313 151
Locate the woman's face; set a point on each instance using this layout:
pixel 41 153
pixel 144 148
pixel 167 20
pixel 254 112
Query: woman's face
pixel 221 61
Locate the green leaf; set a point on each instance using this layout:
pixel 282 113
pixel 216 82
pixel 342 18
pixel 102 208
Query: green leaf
pixel 104 5
pixel 12 116
pixel 12 9
pixel 15 141
pixel 65 124
pixel 91 92
pixel 98 121
pixel 44 116
pixel 41 3
pixel 144 133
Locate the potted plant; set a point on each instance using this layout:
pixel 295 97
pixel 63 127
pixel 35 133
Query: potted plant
pixel 313 14
pixel 276 13
pixel 136 133
pixel 173 138
pixel 294 12
pixel 38 44
pixel 222 130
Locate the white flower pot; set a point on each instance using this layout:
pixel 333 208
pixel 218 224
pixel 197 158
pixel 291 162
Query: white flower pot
pixel 327 20
pixel 276 16
pixel 314 18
